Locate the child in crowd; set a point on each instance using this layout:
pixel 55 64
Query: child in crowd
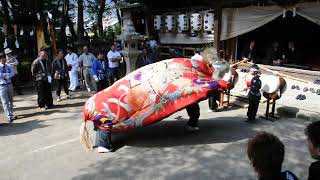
pixel 313 134
pixel 266 153
pixel 254 93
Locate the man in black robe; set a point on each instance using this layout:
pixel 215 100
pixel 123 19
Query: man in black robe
pixel 292 55
pixel 42 78
pixel 250 52
pixel 275 55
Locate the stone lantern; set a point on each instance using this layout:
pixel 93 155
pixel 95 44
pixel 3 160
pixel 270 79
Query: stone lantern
pixel 129 37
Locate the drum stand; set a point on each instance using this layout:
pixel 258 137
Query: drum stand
pixel 222 101
pixel 270 116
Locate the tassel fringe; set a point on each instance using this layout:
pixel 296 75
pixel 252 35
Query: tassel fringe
pixel 85 139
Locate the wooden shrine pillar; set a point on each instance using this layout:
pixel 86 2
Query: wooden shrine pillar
pixel 217 28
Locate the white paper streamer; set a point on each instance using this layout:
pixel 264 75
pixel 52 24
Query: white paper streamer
pixel 5 44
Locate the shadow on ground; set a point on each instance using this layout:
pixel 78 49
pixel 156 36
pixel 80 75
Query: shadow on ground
pixel 60 106
pixel 25 108
pixel 174 133
pixel 176 159
pixel 37 113
pixel 287 111
pixel 20 128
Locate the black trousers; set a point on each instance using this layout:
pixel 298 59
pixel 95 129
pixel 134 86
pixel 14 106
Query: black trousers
pixel 253 106
pixel 114 74
pixel 44 94
pixel 213 98
pixel 62 83
pixel 103 138
pixel 15 83
pixel 193 111
pixel 102 84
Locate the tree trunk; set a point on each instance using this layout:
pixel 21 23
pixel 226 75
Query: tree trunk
pixel 65 15
pixel 39 25
pixel 102 5
pixel 73 32
pixel 118 16
pixel 7 28
pixel 52 38
pixel 80 21
pixel 118 13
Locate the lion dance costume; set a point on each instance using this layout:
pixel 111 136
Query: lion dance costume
pixel 150 94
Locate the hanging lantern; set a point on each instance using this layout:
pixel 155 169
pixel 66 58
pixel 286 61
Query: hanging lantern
pixel 208 22
pixel 183 22
pixel 196 21
pixel 157 22
pixel 170 23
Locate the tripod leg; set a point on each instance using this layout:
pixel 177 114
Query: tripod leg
pixel 273 108
pixel 267 109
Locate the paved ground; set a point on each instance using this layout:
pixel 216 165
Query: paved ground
pixel 44 145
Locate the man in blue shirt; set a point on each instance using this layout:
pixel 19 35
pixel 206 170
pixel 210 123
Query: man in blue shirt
pixel 100 71
pixel 6 88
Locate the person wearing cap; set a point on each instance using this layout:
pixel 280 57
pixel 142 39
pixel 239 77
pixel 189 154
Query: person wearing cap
pixel 6 88
pixel 13 61
pixel 254 93
pixel 43 79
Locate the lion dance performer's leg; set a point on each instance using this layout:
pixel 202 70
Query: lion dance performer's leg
pixel 103 141
pixel 193 111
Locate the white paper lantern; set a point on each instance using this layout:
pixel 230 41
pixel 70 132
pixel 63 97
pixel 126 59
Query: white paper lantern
pixel 157 22
pixel 208 22
pixel 183 22
pixel 170 23
pixel 196 21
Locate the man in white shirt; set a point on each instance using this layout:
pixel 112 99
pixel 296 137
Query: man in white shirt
pixel 114 58
pixel 73 69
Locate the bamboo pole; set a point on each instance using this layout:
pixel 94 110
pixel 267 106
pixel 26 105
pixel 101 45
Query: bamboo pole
pixel 278 73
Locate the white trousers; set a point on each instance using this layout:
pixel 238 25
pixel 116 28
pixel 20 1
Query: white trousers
pixel 74 80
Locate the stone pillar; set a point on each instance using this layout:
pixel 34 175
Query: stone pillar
pixel 130 54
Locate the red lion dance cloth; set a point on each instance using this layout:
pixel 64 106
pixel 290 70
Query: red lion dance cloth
pixel 151 93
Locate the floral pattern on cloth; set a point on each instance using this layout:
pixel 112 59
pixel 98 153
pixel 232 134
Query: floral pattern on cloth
pixel 151 93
